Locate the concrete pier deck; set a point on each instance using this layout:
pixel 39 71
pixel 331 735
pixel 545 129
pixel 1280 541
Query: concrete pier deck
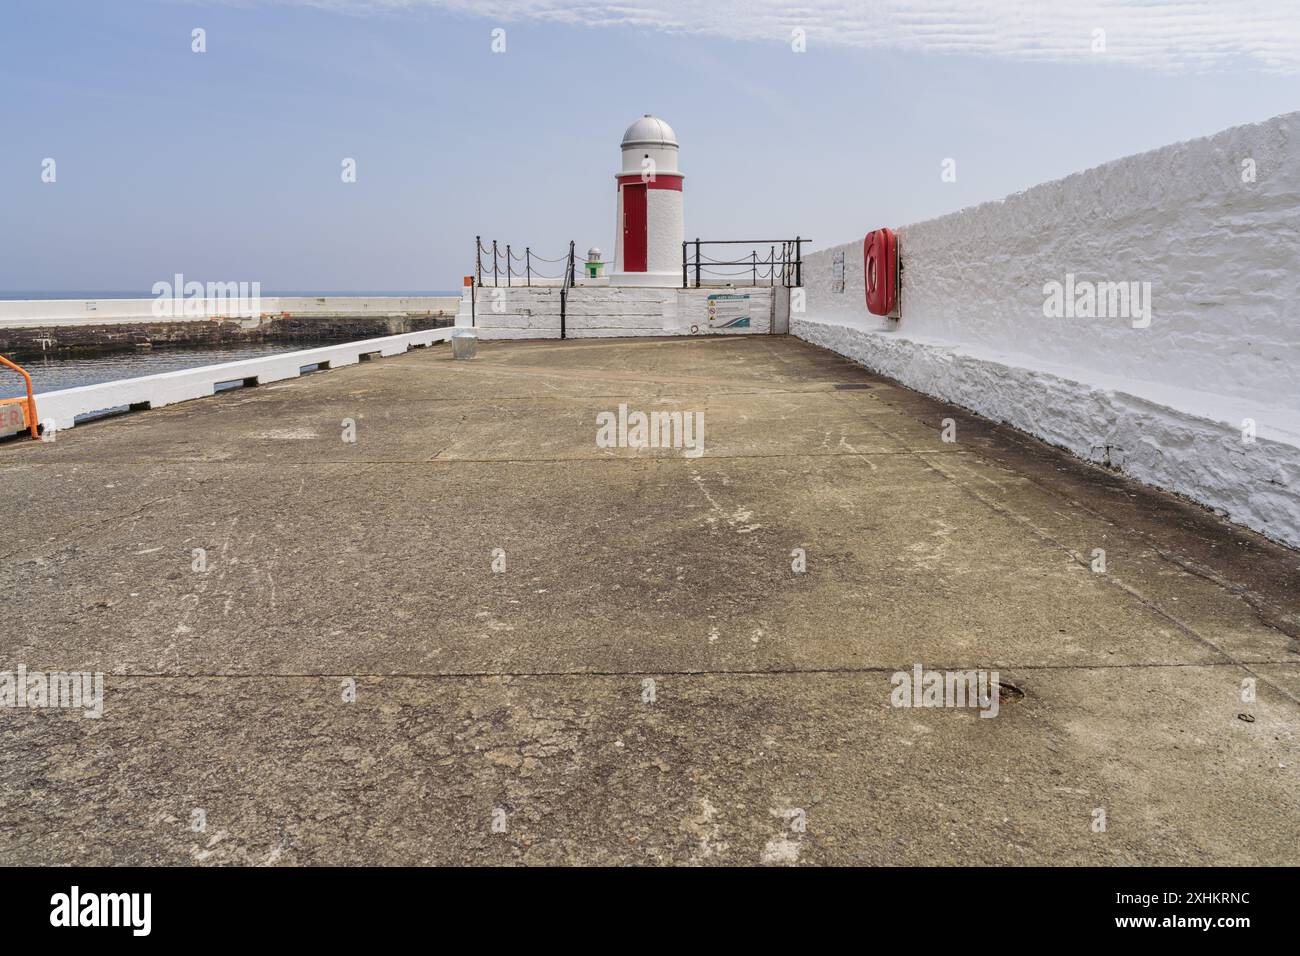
pixel 520 697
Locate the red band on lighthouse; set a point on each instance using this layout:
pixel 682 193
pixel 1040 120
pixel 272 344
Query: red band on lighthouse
pixel 660 181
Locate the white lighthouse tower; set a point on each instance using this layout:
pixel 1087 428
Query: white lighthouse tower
pixel 649 230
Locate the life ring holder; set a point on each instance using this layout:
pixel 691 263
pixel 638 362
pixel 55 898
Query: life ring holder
pixel 882 273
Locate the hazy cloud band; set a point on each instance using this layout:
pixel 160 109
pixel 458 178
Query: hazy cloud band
pixel 1156 34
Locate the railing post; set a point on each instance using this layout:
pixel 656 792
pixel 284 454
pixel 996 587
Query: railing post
pixel 565 282
pixel 697 262
pixel 478 259
pixel 685 281
pixel 528 265
pixel 509 267
pixel 494 264
pixel 753 267
pixel 771 267
pixel 798 262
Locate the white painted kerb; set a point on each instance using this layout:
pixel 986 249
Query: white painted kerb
pixel 61 408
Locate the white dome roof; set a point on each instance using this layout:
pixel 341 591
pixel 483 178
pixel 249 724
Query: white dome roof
pixel 649 131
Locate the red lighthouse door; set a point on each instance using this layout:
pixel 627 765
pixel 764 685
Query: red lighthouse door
pixel 634 241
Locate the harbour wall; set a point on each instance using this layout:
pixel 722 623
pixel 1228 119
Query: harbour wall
pixel 63 327
pixel 1009 309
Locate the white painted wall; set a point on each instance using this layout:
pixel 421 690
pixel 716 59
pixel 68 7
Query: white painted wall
pixel 664 230
pixel 1165 403
pixel 533 313
pixel 617 266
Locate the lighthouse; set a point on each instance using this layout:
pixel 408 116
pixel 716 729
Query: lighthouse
pixel 649 229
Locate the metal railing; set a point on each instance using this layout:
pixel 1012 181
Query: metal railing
pixel 783 268
pixel 782 264
pixel 505 266
pixel 566 279
pixel 29 403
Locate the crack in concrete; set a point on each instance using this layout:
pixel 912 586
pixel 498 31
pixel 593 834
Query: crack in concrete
pixel 739 672
pixel 507 461
pixel 1112 581
pixel 102 521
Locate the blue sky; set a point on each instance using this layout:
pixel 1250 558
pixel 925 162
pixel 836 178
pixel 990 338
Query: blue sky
pixel 225 166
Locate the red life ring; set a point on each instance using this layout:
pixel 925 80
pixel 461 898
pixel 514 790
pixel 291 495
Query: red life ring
pixel 880 271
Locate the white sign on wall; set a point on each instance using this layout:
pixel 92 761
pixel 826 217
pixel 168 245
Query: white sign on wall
pixel 729 311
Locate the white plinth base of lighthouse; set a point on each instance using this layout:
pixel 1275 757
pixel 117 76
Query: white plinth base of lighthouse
pixel 648 280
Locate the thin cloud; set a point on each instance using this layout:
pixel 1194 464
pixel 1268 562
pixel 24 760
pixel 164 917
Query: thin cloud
pixel 1167 35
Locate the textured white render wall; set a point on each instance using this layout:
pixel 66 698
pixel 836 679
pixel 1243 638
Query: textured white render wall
pixel 664 228
pixel 534 313
pixel 1163 403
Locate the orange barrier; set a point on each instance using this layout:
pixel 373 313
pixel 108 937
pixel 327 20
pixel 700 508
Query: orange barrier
pixel 24 408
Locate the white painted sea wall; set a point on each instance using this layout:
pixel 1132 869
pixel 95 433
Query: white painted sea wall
pixel 60 410
pixel 1198 394
pixel 608 311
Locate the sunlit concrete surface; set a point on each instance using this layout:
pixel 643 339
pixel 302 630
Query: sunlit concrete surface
pixel 521 697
